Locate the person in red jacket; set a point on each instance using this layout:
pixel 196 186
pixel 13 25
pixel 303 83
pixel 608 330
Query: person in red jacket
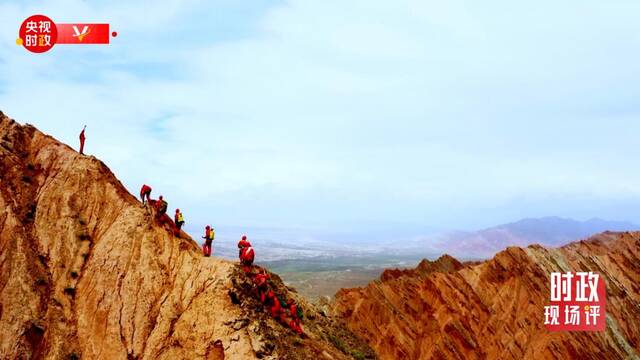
pixel 243 243
pixel 82 138
pixel 247 256
pixel 262 285
pixel 161 207
pixel 273 303
pixel 295 323
pixel 145 191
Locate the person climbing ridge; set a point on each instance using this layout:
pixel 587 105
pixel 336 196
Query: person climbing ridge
pixel 282 314
pixel 161 207
pixel 82 139
pixel 286 312
pixel 262 285
pixel 178 219
pixel 274 304
pixel 145 191
pixel 296 316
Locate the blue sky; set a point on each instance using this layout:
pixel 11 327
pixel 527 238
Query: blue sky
pixel 348 115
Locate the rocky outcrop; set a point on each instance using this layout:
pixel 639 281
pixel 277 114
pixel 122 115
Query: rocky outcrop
pixel 494 309
pixel 444 263
pixel 86 272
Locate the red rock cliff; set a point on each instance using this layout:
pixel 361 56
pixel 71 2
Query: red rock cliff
pixel 494 309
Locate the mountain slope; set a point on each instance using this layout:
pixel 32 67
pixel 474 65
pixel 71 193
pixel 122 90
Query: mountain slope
pixel 86 272
pixel 494 309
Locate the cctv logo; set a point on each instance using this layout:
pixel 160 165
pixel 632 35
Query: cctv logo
pixel 80 35
pixel 39 34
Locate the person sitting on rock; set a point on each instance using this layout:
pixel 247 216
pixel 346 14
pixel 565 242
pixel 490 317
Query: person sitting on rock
pixel 247 256
pixel 243 243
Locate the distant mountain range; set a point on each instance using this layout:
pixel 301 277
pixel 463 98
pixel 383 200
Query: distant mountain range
pixel 549 231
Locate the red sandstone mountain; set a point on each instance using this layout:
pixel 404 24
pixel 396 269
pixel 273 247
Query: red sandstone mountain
pixel 494 309
pixel 86 272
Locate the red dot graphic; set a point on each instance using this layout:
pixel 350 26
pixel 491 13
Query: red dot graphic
pixel 114 34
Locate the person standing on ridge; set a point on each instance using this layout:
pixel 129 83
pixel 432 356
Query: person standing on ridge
pixel 178 219
pixel 145 191
pixel 82 138
pixel 212 237
pixel 209 234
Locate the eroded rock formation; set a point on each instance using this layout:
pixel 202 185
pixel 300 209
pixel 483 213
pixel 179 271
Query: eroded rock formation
pixel 494 309
pixel 86 272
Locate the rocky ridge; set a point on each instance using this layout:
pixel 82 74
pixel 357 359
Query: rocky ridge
pixel 86 272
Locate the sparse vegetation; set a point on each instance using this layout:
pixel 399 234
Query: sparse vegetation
pixel 74 274
pixel 337 343
pixel 41 281
pixel 70 291
pixel 357 355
